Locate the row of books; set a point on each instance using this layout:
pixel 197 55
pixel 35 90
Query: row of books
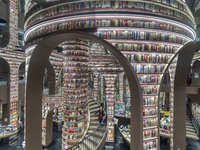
pixel 149 145
pixel 77 64
pixel 149 123
pixel 74 75
pixel 159 48
pixel 149 79
pixel 141 35
pixel 149 134
pixel 148 68
pixel 75 86
pixel 148 58
pixel 75 47
pixel 76 92
pixel 153 90
pixel 75 69
pixel 150 101
pixel 76 41
pixel 149 112
pixel 75 80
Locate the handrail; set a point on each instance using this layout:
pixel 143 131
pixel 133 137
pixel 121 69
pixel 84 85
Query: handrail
pixel 99 146
pixel 194 121
pixel 84 139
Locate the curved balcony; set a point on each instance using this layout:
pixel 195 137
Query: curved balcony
pixel 79 7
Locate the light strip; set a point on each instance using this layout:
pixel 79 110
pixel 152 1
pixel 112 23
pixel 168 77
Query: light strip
pixel 125 16
pixel 149 85
pixel 146 52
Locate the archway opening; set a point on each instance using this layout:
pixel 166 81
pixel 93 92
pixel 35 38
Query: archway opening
pixel 4 94
pixel 37 66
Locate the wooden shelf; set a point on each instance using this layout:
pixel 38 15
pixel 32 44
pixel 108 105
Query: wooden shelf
pixel 148 139
pixel 146 117
pixel 147 128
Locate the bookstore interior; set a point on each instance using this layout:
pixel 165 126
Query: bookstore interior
pixel 100 74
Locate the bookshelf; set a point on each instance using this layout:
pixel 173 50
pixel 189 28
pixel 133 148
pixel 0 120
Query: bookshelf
pixel 110 98
pixel 75 93
pixel 148 33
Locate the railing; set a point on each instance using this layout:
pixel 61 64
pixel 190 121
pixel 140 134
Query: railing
pixel 194 121
pixel 3 82
pixel 90 142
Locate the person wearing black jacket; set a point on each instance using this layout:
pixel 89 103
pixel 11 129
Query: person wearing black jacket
pixel 100 113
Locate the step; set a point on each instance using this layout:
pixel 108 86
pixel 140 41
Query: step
pixel 92 102
pixel 78 148
pixel 90 144
pixel 94 123
pixel 190 130
pixel 96 134
pixel 94 119
pixel 92 114
pixel 189 123
pixel 94 140
pixel 83 146
pixel 191 133
pixel 189 127
pixel 93 106
pixel 94 110
pixel 192 136
pixel 93 127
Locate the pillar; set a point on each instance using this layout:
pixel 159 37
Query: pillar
pixel 75 92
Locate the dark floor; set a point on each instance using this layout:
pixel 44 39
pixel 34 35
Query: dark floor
pixel 119 145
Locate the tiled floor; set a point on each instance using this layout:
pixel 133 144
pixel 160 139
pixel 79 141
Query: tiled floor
pixel 119 145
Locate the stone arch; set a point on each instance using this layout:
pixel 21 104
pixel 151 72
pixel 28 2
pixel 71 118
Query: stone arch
pixel 5 90
pixel 36 69
pixel 184 57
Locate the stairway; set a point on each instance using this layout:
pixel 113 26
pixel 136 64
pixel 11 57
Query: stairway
pixel 94 123
pixel 94 119
pixel 91 142
pixel 190 131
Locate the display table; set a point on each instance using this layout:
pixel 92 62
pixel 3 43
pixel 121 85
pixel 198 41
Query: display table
pixel 8 135
pixel 126 135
